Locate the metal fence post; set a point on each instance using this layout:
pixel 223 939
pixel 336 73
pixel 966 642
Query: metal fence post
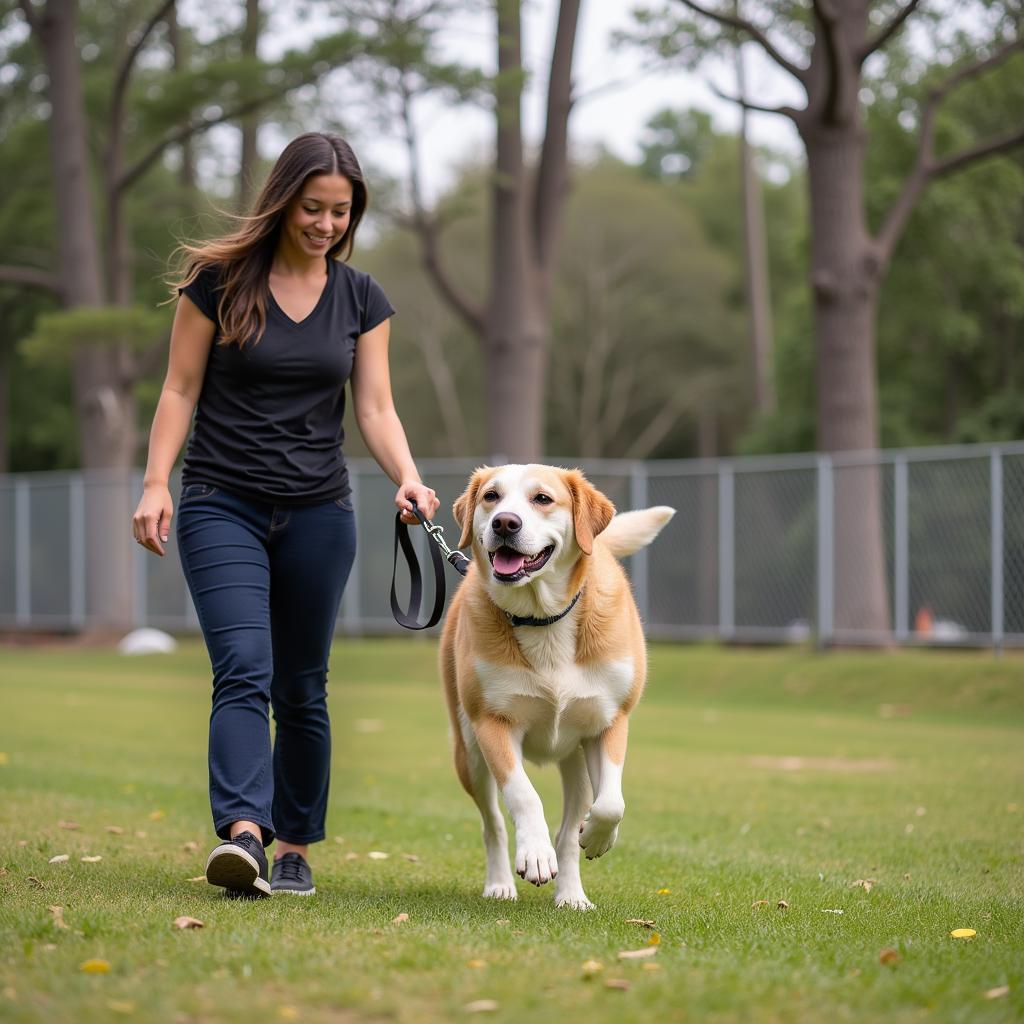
pixel 76 549
pixel 639 567
pixel 726 551
pixel 351 605
pixel 996 485
pixel 901 548
pixel 826 551
pixel 22 554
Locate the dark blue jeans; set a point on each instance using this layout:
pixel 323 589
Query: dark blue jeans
pixel 266 581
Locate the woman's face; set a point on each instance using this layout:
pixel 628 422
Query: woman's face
pixel 319 215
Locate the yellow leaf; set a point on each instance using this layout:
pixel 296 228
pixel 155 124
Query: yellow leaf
pixel 187 922
pixel 477 964
pixel 637 954
pixel 650 967
pixel 664 892
pixel 963 933
pixel 654 940
pixel 591 968
pixel 95 966
pixel 998 993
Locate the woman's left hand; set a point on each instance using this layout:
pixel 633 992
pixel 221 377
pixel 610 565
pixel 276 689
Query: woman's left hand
pixel 425 498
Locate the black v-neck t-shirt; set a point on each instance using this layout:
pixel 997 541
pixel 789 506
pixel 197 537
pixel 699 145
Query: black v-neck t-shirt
pixel 268 424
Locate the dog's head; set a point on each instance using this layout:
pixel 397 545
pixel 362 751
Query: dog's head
pixel 524 520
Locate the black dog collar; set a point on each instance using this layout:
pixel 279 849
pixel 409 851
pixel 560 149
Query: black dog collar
pixel 519 620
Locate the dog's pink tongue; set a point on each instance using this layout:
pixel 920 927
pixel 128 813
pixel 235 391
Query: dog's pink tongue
pixel 507 561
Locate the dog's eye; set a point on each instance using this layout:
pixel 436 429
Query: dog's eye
pixel 490 495
pixel 544 499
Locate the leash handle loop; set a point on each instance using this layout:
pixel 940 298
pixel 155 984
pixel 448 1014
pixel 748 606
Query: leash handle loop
pixel 456 558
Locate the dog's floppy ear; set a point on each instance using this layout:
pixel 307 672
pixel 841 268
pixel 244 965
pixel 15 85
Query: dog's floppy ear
pixel 591 510
pixel 465 505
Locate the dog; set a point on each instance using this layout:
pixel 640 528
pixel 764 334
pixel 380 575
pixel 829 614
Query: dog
pixel 543 657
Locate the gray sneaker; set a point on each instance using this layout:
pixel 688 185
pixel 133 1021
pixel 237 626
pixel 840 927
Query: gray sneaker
pixel 291 874
pixel 240 866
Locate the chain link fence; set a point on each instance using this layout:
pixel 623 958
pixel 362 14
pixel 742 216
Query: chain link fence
pixel 917 546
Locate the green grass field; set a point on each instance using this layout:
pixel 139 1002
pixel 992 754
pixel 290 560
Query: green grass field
pixel 752 776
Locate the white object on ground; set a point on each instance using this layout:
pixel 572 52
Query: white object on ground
pixel 147 641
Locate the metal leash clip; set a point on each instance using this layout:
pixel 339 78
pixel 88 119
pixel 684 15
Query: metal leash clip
pixel 456 559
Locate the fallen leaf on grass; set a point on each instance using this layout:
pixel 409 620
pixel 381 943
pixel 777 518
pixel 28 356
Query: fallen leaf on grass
pixel 184 922
pixel 32 880
pixel 963 933
pixel 476 964
pixel 503 920
pixel 637 954
pixel 58 917
pixel 998 993
pixel 59 859
pixel 759 903
pixel 782 905
pixel 95 966
pixel 197 878
pixel 91 860
pixel 650 967
pixel 591 968
pixel 830 911
pixel 115 830
pixel 867 884
pixel 124 1006
pixel 351 855
pixel 378 855
pixel 412 857
pixel 618 983
pixel 401 919
pixel 642 921
pixel 481 1006
pixel 69 825
pixel 139 834
pixel 654 940
pixel 288 1013
pixel 191 846
pixel 889 957
pixel 157 815
pixel 664 892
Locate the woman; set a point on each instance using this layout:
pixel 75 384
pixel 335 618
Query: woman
pixel 270 325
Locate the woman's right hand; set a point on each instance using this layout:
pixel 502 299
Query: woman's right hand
pixel 151 524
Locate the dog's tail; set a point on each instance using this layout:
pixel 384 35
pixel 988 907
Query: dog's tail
pixel 630 531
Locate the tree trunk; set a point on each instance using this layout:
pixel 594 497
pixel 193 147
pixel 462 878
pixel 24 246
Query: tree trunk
pixel 105 408
pixel 515 332
pixel 844 279
pixel 250 124
pixel 188 169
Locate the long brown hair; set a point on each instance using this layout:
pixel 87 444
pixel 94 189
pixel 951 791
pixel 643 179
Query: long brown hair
pixel 244 257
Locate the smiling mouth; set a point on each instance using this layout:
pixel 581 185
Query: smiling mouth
pixel 510 566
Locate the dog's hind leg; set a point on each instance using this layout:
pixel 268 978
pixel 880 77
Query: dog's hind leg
pixel 576 797
pixel 479 782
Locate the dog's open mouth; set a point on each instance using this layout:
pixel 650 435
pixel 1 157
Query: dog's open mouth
pixel 510 566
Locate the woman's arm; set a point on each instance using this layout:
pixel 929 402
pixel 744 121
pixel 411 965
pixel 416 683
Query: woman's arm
pixel 380 426
pixel 191 338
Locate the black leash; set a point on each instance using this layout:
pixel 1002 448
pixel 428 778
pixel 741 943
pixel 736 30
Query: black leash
pixel 439 551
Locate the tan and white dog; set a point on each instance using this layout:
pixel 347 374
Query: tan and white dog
pixel 543 657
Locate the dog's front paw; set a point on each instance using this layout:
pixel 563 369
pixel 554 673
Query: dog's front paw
pixel 500 890
pixel 574 898
pixel 599 831
pixel 536 861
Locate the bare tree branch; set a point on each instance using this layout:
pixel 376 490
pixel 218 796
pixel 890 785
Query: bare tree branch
pixel 425 227
pixel 887 31
pixel 30 15
pixel 838 67
pixel 551 181
pixel 750 29
pixel 925 166
pixel 785 111
pixel 128 64
pixel 30 277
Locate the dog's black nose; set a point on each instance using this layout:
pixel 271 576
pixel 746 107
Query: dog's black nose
pixel 505 524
